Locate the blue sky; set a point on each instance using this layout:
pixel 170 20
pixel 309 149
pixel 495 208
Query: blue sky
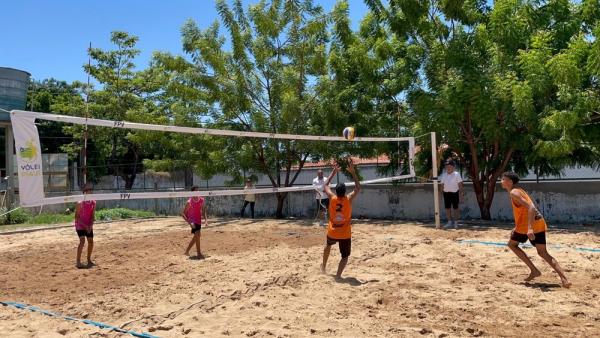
pixel 49 38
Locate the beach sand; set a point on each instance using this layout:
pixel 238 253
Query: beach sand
pixel 261 279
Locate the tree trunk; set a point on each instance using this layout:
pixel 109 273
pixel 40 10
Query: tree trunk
pixel 485 187
pixel 129 180
pixel 482 198
pixel 489 197
pixel 484 182
pixel 189 178
pixel 485 211
pixel 280 199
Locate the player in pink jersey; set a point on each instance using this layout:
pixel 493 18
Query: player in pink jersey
pixel 192 214
pixel 84 222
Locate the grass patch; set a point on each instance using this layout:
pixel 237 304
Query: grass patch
pixel 121 213
pixel 51 219
pixel 21 219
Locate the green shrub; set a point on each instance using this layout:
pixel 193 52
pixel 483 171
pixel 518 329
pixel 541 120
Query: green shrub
pixel 21 216
pixel 51 219
pixel 120 213
pixel 17 216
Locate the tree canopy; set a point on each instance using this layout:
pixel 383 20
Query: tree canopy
pixel 509 85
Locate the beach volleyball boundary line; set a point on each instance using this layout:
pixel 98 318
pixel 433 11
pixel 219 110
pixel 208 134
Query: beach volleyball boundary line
pixel 31 308
pixel 527 245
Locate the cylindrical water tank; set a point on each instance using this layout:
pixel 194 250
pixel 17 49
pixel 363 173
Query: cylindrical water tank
pixel 13 88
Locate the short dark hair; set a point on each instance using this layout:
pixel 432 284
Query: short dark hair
pixel 340 190
pixel 195 188
pixel 450 162
pixel 512 176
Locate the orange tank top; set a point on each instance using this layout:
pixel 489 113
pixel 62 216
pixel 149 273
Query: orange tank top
pixel 340 214
pixel 521 215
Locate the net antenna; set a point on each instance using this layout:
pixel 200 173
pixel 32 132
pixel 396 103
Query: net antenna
pixel 31 182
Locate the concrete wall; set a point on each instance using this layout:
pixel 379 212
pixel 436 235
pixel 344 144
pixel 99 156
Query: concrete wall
pixel 560 202
pixel 148 181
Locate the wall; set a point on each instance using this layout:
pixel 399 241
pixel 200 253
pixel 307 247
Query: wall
pixel 148 180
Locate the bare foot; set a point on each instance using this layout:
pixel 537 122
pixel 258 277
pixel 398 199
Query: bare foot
pixel 197 257
pixel 80 266
pixel 566 284
pixel 187 253
pixel 90 264
pixel 533 275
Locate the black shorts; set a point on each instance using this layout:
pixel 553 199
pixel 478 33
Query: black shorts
pixel 344 244
pixel 540 238
pixel 196 227
pixel 451 199
pixel 324 203
pixel 84 233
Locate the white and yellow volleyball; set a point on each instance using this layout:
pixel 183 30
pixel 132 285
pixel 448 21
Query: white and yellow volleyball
pixel 348 133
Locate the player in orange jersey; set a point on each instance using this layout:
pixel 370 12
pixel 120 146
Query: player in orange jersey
pixel 529 224
pixel 339 229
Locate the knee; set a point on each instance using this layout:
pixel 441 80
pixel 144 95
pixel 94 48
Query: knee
pixel 543 253
pixel 81 241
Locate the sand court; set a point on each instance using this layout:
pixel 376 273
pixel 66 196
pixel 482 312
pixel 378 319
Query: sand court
pixel 261 279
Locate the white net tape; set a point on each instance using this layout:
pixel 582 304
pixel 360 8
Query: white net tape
pixel 31 189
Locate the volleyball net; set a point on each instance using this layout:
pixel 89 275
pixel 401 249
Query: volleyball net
pixel 31 172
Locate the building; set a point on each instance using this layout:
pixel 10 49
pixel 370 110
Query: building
pixel 14 84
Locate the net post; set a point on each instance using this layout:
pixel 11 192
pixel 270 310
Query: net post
pixel 411 156
pixel 10 167
pixel 434 179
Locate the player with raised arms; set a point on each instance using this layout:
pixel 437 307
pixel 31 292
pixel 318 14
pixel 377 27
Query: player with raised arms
pixel 339 229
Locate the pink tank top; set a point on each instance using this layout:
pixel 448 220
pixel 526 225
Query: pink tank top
pixel 194 212
pixel 86 215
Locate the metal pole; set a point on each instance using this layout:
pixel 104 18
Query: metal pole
pixel 434 179
pixel 10 166
pixel 85 131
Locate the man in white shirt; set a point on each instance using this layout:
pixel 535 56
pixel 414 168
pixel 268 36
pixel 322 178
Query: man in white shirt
pixel 320 194
pixel 452 187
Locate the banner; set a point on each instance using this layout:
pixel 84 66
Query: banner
pixel 29 159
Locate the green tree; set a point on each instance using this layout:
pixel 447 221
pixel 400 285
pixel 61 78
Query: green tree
pixel 47 96
pixel 266 82
pixel 50 96
pixel 370 72
pixel 124 94
pixel 504 86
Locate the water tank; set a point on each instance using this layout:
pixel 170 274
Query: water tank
pixel 13 90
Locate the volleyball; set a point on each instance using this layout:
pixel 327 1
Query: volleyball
pixel 348 133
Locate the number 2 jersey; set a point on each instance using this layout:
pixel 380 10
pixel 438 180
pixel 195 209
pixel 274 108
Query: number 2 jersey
pixel 340 214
